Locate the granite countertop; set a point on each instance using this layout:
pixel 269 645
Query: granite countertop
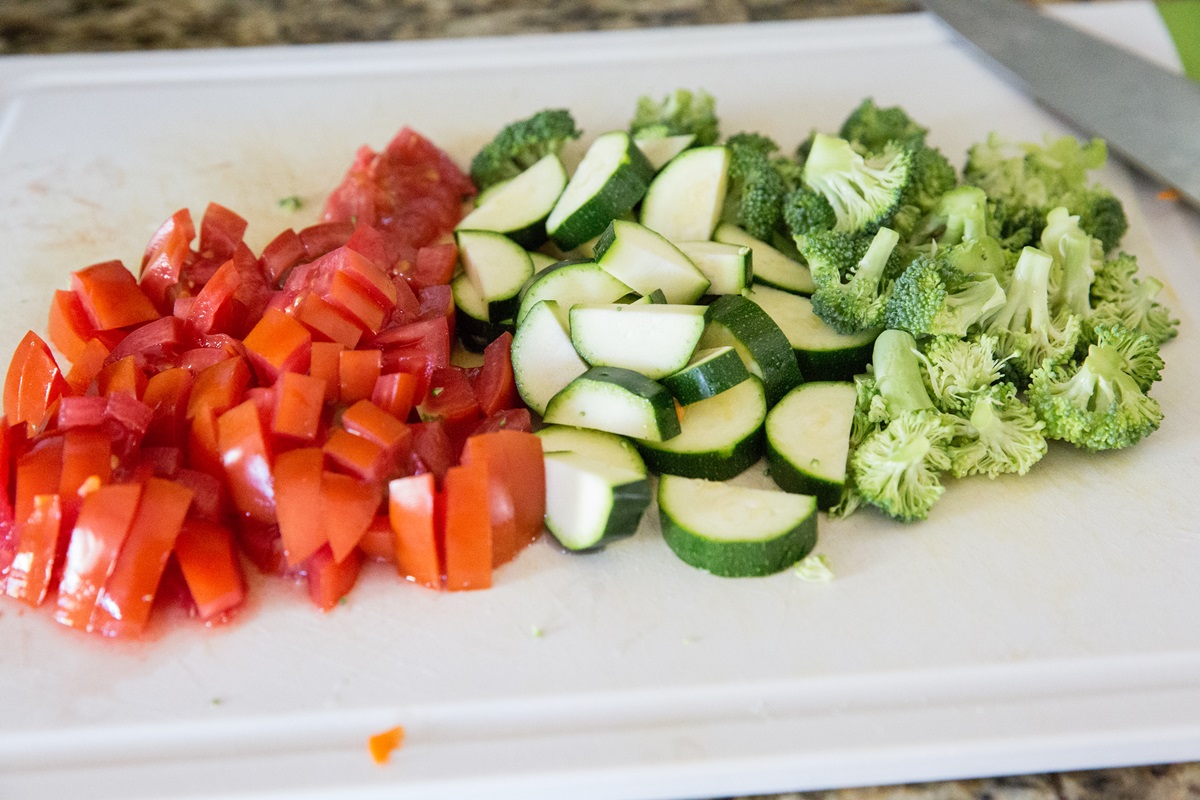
pixel 58 26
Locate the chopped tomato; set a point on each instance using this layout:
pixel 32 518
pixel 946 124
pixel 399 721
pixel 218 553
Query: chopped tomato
pixel 413 513
pixel 221 231
pixel 280 255
pixel 495 387
pixel 324 237
pixel 348 505
pixel 278 343
pixel 452 401
pixel 395 393
pixel 166 254
pixel 357 456
pixel 219 387
pixel 358 372
pixel 329 580
pixel 122 376
pixel 468 532
pixel 325 365
pixel 327 323
pixel 111 296
pixel 87 366
pixel 379 542
pixel 167 394
pixel 33 383
pixel 246 455
pixel 69 327
pixel 517 487
pixel 434 265
pixel 297 492
pixel 510 419
pixel 210 567
pixel 28 577
pixel 432 448
pixel 299 403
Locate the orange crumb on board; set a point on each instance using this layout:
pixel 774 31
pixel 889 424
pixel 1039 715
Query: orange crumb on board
pixel 1168 194
pixel 383 744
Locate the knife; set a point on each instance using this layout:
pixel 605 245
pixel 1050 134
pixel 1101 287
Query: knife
pixel 1148 116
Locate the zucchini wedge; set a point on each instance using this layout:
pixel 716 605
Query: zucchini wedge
pixel 654 339
pixel 685 200
pixel 518 208
pixel 609 181
pixel 822 353
pixel 590 502
pixel 808 440
pixel 770 266
pixel 616 400
pixel 740 323
pixel 645 260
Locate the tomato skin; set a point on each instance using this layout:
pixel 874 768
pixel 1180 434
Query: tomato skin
pixel 208 560
pixel 247 458
pixel 276 344
pixel 155 345
pixel 167 394
pixel 432 449
pixel 495 386
pixel 379 542
pixel 220 387
pixel 221 231
pixel 100 530
pixel 372 244
pixel 166 254
pixel 280 255
pixel 297 497
pixel 33 383
pixel 327 323
pixel 451 400
pixel 434 265
pixel 324 237
pixel 412 513
pixel 395 393
pixel 299 402
pixel 358 372
pixel 510 419
pixel 124 603
pixel 68 325
pixel 517 488
pixel 330 580
pixel 212 309
pixel 111 296
pixel 87 366
pixel 368 420
pixel 123 376
pixel 326 365
pixel 468 531
pixel 348 505
pixel 28 577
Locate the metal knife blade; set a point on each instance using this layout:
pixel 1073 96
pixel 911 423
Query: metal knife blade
pixel 1147 115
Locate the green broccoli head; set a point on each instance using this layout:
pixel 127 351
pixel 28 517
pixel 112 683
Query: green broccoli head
pixel 932 298
pixel 864 191
pixel 899 381
pixel 1121 298
pixel 853 276
pixel 898 468
pixel 754 198
pixel 930 177
pixel 961 370
pixel 1024 327
pixel 1100 403
pixel 806 212
pixel 872 127
pixel 1074 254
pixel 680 112
pixel 961 213
pixel 1026 182
pixel 520 145
pixel 1001 435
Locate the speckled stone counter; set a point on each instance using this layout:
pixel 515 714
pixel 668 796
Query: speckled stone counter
pixel 58 26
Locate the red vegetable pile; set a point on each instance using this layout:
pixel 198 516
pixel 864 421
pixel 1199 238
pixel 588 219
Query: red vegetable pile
pixel 297 408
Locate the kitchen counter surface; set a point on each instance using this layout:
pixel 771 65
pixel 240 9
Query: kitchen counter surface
pixel 59 26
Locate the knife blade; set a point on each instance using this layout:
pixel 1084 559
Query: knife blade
pixel 1147 116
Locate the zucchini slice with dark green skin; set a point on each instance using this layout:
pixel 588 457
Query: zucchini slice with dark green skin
pixel 740 323
pixel 709 373
pixel 616 400
pixel 518 208
pixel 808 440
pixel 610 180
pixel 770 266
pixel 590 502
pixel 645 260
pixel 686 198
pixel 822 353
pixel 498 268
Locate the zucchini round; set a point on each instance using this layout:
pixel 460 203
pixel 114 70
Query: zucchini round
pixel 808 440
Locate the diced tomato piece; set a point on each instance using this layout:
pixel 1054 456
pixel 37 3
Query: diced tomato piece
pixel 348 295
pixel 276 344
pixel 253 293
pixel 166 254
pixel 247 458
pixel 434 265
pixel 167 394
pixel 209 563
pixel 156 345
pixel 495 387
pixel 299 403
pixel 358 372
pixel 468 532
pixel 416 349
pixel 160 462
pixel 280 255
pixel 297 499
pixel 326 365
pixel 510 419
pixel 347 507
pixel 88 365
pixel 412 512
pixel 357 456
pixel 100 530
pixel 324 237
pixel 126 420
pixel 69 327
pixel 210 498
pixel 212 310
pixel 28 578
pixel 379 543
pixel 38 471
pixel 329 580
pixel 326 322
pixel 122 376
pixel 111 297
pixel 219 387
pixel 364 272
pixel 81 412
pixel 87 453
pixel 369 242
pixel 395 394
pixel 368 420
pixel 221 231
pixel 124 603
pixel 203 451
pixel 517 478
pixel 433 449
pixel 33 383
pixel 451 400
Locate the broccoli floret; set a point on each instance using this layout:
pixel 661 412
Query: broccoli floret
pixel 1075 255
pixel 898 383
pixel 521 144
pixel 961 370
pixel 1024 327
pixel 853 277
pixel 1101 402
pixel 754 198
pixel 930 176
pixel 961 219
pixel 680 112
pixel 806 212
pixel 1025 185
pixel 1119 297
pixel 1001 435
pixel 873 127
pixel 863 191
pixel 932 298
pixel 898 469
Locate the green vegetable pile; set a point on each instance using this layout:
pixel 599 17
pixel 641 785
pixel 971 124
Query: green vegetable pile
pixel 1006 313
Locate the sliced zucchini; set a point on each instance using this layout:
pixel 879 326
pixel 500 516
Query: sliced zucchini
pixel 651 338
pixel 822 353
pixel 616 400
pixel 684 202
pixel 728 267
pixel 472 325
pixel 644 260
pixel 654 298
pixel 609 181
pixel 734 531
pixel 770 266
pixel 519 208
pixel 541 261
pixel 569 283
pixel 709 373
pixel 498 267
pixel 659 150
pixel 544 360
pixel 607 447
pixel 719 437
pixel 740 323
pixel 590 502
pixel 808 440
